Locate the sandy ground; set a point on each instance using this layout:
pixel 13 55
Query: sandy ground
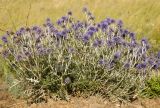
pixel 7 101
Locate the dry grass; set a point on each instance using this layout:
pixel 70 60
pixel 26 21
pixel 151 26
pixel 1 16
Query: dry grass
pixel 141 16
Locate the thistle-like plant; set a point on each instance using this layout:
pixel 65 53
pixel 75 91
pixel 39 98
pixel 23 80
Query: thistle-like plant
pixel 74 56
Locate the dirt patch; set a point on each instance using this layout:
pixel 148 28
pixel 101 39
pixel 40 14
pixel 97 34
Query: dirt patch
pixel 7 101
pixel 5 97
pixel 92 102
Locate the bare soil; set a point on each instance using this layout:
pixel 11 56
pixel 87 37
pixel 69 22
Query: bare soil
pixel 7 101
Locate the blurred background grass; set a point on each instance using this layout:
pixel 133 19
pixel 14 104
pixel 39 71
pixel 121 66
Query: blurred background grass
pixel 140 16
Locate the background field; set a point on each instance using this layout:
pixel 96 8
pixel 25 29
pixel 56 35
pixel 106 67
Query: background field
pixel 141 16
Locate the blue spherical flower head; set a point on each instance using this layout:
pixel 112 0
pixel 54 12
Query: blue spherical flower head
pixel 110 43
pixel 123 34
pixel 34 28
pixel 98 43
pixel 64 18
pixel 95 43
pixel 126 65
pixel 5 53
pixel 117 55
pixel 145 44
pixel 141 66
pixel 138 66
pixel 150 61
pixel 112 21
pixel 144 41
pixel 132 35
pixel 120 23
pixel 126 32
pixel 49 23
pixel 85 38
pixel 18 57
pixel 48 20
pixel 22 30
pixel 18 33
pixel 102 61
pixel 59 35
pixel 90 33
pixel 39 31
pixel 54 31
pixel 117 40
pixel 59 22
pixel 92 28
pixel 124 44
pixel 108 20
pixel 99 25
pixel 64 34
pixel 104 25
pixel 77 26
pixel 133 43
pixel 4 39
